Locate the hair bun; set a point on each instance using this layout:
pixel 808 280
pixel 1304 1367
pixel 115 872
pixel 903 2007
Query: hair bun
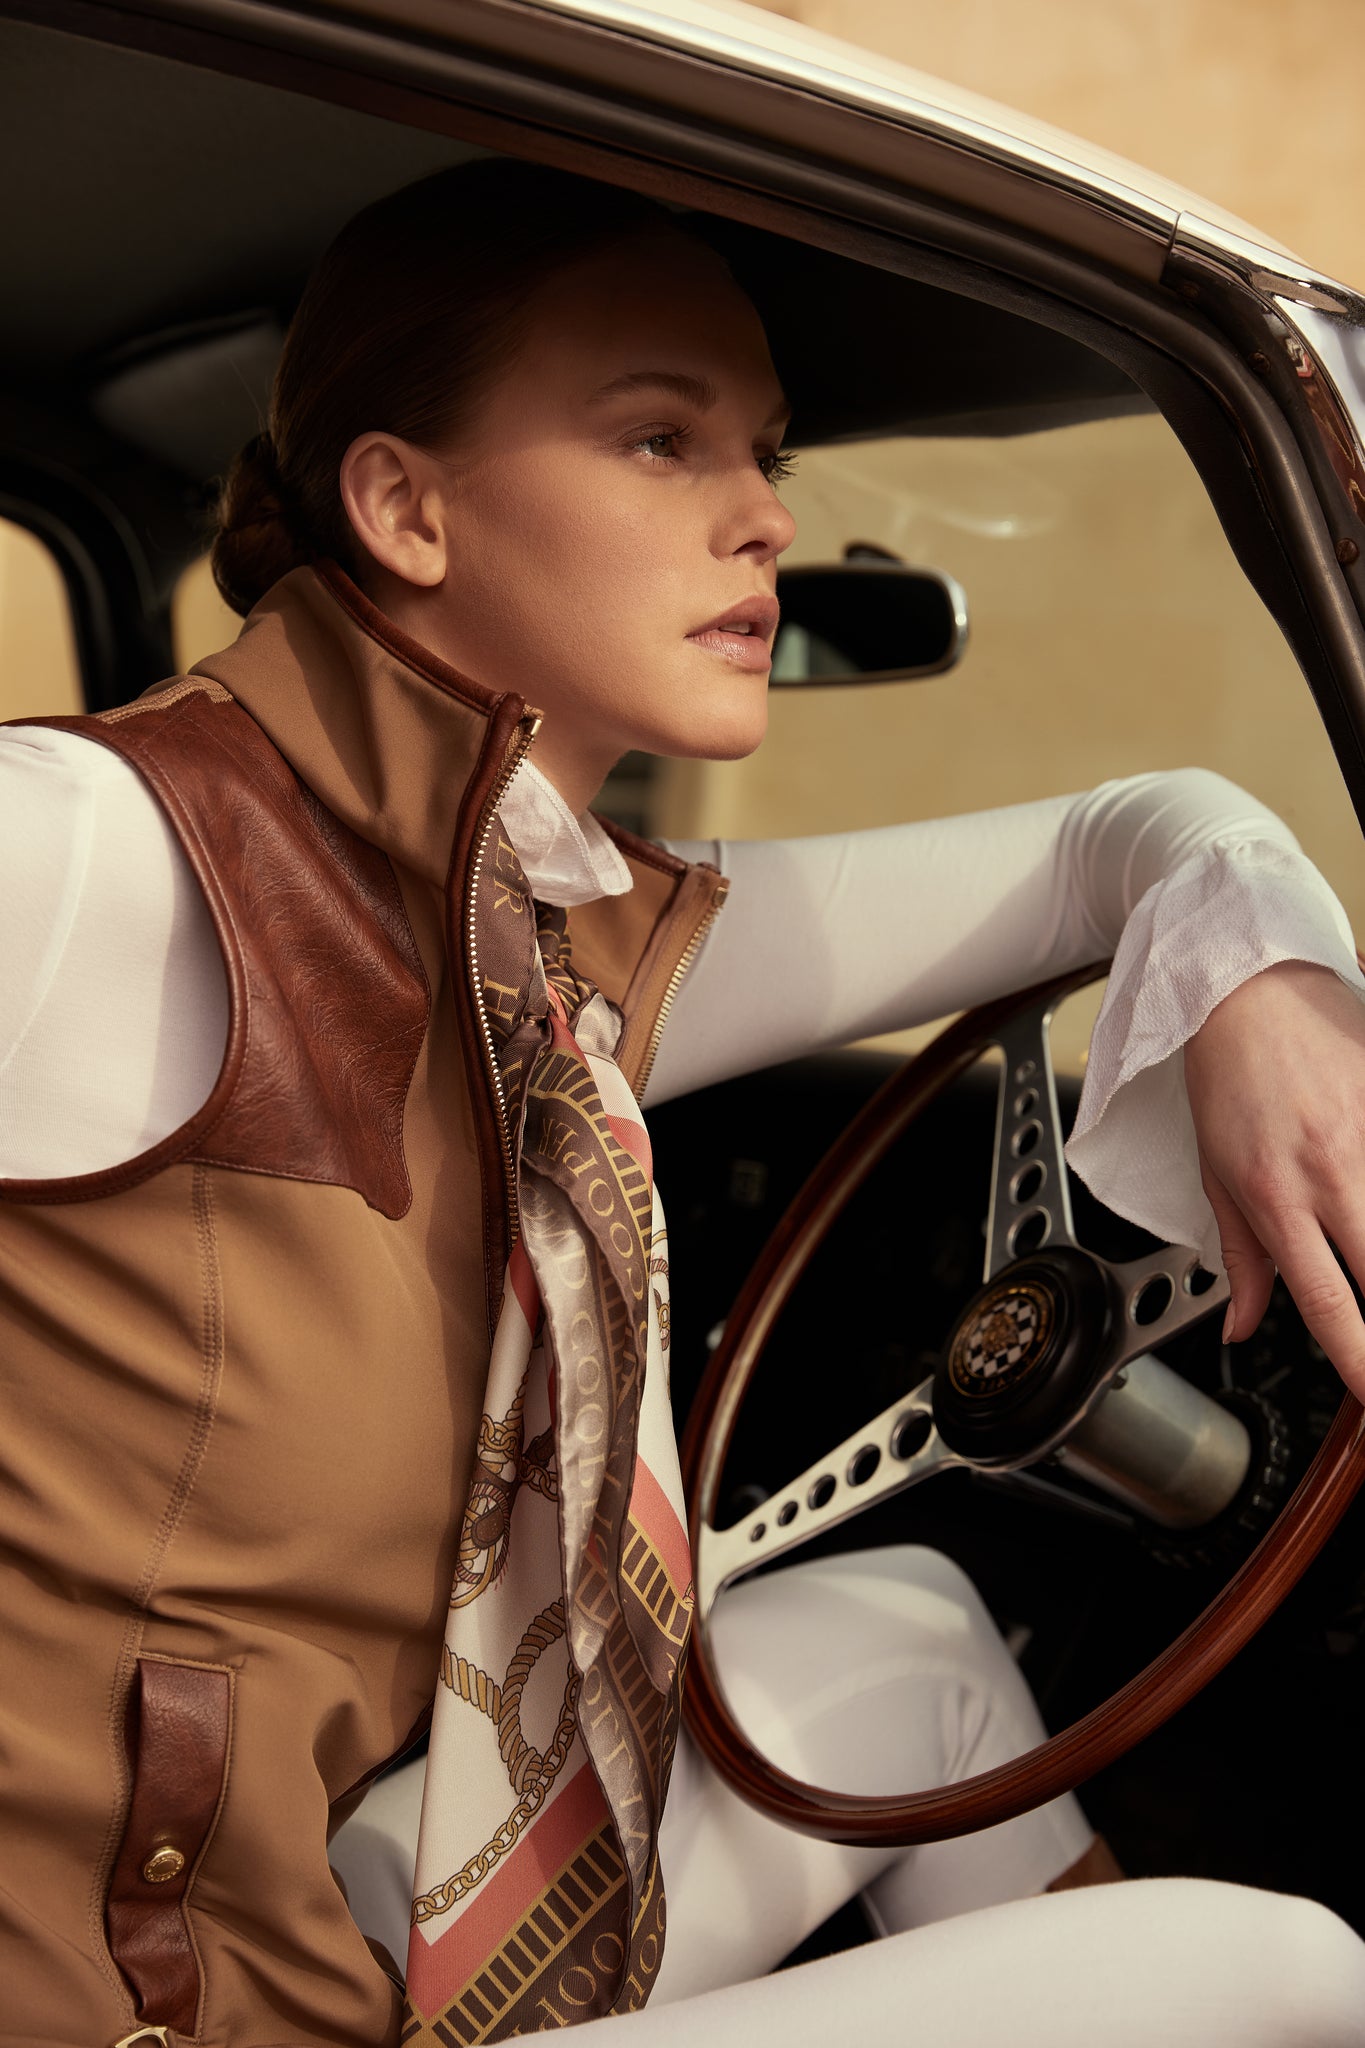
pixel 256 542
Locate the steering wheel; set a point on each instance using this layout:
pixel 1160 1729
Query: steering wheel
pixel 1051 1358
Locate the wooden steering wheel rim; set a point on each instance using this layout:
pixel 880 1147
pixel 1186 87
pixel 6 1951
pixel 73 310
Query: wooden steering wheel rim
pixel 1063 1761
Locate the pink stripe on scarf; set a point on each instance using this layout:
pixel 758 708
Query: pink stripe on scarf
pixel 438 1970
pixel 655 1513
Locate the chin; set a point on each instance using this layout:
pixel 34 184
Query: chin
pixel 721 742
pixel 733 750
pixel 728 734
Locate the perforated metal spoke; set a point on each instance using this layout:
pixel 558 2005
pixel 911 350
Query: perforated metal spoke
pixel 1030 1205
pixel 898 1448
pixel 1163 1293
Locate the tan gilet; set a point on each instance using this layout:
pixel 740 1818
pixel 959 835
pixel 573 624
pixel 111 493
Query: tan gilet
pixel 243 1373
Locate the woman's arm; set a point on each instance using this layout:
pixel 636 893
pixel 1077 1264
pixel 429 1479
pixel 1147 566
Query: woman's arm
pixel 1192 884
pixel 113 1000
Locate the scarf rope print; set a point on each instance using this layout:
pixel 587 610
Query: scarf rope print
pixel 539 1900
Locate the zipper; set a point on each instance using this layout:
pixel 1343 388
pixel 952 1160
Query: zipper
pixel 675 982
pixel 518 748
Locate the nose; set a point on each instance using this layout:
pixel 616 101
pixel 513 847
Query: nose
pixel 759 527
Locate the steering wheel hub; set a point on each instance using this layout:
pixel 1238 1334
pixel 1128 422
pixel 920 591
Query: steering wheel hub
pixel 1024 1358
pixel 1004 1337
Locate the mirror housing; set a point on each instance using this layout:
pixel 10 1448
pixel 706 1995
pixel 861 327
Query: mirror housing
pixel 867 619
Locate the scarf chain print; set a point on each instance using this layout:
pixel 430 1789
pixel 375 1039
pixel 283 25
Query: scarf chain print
pixel 539 1900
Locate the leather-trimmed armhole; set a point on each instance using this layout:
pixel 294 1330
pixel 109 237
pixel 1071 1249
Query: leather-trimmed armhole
pixel 327 1007
pixel 179 1741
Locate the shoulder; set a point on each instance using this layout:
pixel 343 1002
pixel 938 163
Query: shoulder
pixel 57 759
pixel 66 798
pixel 112 998
pixel 58 765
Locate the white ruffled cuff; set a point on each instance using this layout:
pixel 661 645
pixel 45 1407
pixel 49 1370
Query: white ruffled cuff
pixel 1217 919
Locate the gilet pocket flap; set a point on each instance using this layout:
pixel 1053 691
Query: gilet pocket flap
pixel 180 1724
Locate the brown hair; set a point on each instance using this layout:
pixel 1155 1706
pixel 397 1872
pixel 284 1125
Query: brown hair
pixel 410 315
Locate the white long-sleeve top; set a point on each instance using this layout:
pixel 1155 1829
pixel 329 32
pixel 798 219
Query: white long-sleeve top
pixel 113 999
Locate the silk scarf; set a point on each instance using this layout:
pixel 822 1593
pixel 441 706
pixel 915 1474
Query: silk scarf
pixel 539 1900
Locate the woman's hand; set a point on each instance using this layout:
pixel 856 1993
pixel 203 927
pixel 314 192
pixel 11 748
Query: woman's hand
pixel 1276 1081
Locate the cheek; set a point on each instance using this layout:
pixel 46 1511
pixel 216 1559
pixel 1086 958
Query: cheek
pixel 589 566
pixel 552 542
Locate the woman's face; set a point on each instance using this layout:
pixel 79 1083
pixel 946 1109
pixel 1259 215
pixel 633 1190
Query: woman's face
pixel 609 532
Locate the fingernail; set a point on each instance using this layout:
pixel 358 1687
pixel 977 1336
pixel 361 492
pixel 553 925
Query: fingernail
pixel 1228 1320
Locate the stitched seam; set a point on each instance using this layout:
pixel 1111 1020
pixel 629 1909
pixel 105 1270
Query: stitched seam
pixel 162 700
pixel 211 1351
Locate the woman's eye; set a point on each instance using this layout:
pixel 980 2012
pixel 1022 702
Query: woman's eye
pixel 663 444
pixel 777 467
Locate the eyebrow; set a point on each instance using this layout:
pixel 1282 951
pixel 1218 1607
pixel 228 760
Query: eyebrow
pixel 695 391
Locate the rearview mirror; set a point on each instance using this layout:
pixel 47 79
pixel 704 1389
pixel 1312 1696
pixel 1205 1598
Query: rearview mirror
pixel 867 619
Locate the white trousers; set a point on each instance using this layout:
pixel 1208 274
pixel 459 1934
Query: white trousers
pixel 880 1671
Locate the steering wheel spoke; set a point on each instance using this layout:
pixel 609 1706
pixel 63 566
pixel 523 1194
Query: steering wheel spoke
pixel 1163 1294
pixel 1030 1205
pixel 897 1449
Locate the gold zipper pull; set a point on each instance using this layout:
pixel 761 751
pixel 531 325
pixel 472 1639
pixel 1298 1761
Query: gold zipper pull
pixel 141 2035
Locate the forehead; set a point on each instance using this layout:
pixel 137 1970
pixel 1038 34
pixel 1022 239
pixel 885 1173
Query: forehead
pixel 656 298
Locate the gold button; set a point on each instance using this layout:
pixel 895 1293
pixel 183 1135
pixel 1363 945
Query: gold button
pixel 163 1865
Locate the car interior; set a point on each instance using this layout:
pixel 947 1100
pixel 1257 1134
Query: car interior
pixel 141 322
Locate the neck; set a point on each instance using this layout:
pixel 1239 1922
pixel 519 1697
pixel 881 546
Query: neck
pixel 577 781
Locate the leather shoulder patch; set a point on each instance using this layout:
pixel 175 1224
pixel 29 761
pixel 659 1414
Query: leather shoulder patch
pixel 328 998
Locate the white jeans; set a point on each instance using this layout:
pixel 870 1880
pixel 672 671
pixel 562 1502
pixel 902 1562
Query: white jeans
pixel 881 1671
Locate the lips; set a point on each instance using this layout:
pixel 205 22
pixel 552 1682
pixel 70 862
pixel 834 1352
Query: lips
pixel 743 634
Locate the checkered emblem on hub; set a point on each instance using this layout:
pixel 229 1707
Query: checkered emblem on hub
pixel 1002 1339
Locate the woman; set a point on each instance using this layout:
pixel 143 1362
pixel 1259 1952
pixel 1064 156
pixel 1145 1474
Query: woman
pixel 333 1273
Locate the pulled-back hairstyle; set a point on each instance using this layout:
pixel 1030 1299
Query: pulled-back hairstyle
pixel 408 318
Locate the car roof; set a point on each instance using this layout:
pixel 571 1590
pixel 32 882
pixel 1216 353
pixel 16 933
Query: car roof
pixel 772 45
pixel 926 262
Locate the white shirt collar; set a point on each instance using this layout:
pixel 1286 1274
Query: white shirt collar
pixel 567 860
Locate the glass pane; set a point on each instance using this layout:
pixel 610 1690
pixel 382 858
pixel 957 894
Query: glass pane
pixel 200 621
pixel 40 673
pixel 1111 632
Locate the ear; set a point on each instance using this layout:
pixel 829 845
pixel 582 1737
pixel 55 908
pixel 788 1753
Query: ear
pixel 391 495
